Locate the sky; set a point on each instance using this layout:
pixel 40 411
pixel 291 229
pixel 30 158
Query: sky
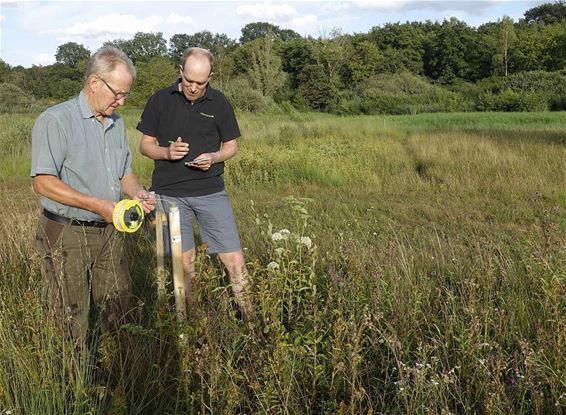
pixel 31 31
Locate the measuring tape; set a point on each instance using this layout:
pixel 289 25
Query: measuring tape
pixel 127 215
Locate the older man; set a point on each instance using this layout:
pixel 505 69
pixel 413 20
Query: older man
pixel 190 130
pixel 81 167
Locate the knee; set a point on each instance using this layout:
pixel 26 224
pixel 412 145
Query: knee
pixel 234 262
pixel 189 258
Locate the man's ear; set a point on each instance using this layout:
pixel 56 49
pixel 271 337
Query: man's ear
pixel 210 76
pixel 92 82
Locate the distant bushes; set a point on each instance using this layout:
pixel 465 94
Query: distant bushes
pixel 14 99
pixel 402 93
pixel 511 101
pixel 397 94
pixel 245 98
pixel 524 91
pixel 405 93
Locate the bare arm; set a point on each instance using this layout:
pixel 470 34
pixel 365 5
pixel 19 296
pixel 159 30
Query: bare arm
pixel 53 188
pixel 227 151
pixel 149 147
pixel 132 187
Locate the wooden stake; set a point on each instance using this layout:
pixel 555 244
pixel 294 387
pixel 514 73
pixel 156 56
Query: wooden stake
pixel 177 259
pixel 160 220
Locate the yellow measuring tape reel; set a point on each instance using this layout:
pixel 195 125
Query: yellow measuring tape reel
pixel 127 215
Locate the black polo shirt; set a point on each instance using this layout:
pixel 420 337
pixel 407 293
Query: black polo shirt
pixel 204 125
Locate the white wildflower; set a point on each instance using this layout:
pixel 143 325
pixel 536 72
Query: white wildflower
pixel 305 240
pixel 277 236
pixel 285 233
pixel 280 251
pixel 273 266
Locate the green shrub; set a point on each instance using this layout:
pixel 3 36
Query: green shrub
pixel 524 91
pixel 243 97
pixel 399 94
pixel 511 101
pixel 14 99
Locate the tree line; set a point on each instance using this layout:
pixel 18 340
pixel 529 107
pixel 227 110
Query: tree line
pixel 395 68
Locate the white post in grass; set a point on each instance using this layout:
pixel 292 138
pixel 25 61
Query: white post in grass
pixel 177 259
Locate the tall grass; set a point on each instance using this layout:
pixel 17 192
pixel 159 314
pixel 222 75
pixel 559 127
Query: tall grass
pixel 399 265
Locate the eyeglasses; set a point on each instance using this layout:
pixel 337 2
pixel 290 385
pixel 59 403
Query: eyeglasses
pixel 117 95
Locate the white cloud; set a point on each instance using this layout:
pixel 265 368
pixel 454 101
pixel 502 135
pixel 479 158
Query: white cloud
pixel 438 5
pixel 114 24
pixel 2 17
pixel 304 21
pixel 44 59
pixel 267 11
pixel 385 5
pixel 175 18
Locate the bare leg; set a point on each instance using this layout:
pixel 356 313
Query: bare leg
pixel 236 267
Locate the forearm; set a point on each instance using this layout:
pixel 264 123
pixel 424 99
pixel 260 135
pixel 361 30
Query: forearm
pixel 154 151
pixel 130 185
pixel 132 188
pixel 55 189
pixel 226 152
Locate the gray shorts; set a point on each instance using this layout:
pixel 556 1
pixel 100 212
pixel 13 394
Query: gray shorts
pixel 215 219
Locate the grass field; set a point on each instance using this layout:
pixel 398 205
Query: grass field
pixel 400 265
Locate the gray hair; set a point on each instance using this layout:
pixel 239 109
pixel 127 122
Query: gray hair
pixel 105 60
pixel 197 52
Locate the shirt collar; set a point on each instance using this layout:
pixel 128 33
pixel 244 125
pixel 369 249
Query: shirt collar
pixel 86 111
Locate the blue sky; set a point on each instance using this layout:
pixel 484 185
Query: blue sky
pixel 30 31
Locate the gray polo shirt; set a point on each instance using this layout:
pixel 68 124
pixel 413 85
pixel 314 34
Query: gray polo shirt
pixel 70 143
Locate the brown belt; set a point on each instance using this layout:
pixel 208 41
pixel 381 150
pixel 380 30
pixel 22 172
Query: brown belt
pixel 66 221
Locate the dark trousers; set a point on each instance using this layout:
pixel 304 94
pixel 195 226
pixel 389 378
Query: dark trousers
pixel 83 265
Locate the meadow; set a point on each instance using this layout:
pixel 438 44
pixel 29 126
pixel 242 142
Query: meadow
pixel 399 265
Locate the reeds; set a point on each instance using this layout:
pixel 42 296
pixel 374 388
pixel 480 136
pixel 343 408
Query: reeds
pixel 397 267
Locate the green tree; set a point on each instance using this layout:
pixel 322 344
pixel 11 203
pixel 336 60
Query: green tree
pixel 143 46
pixel 541 46
pixel 403 45
pixel 57 81
pixel 256 30
pixel 154 74
pixel 507 37
pixel 217 43
pixel 548 13
pixel 4 71
pixel 333 53
pixel 453 53
pixel 72 54
pixel 295 55
pixel 316 88
pixel 497 47
pixel 265 67
pixel 365 61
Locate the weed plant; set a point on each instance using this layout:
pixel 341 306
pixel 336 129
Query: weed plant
pixel 398 265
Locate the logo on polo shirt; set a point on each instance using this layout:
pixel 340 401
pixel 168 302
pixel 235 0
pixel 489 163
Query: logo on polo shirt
pixel 207 115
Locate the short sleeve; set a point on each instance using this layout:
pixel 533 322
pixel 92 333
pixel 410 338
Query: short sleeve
pixel 49 146
pixel 228 128
pixel 149 121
